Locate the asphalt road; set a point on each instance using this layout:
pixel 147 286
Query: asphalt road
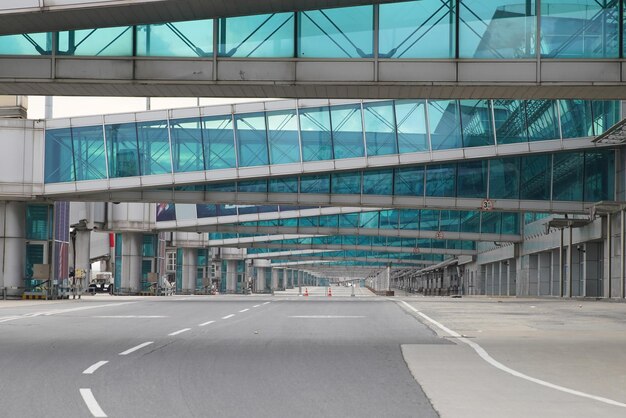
pixel 188 357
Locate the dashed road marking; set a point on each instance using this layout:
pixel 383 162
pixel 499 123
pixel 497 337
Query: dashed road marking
pixel 91 403
pixel 327 316
pixel 244 310
pixel 137 347
pixel 180 331
pixel 130 316
pixel 256 306
pixel 266 303
pixel 91 369
pixel 228 316
pixel 205 323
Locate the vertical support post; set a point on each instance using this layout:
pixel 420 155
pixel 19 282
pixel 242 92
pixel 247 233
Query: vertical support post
pixel 609 233
pixel 570 249
pixel 561 263
pixel 622 281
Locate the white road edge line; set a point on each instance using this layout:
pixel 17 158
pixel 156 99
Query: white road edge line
pixel 256 306
pixel 266 303
pixel 92 404
pixel 228 316
pixel 91 369
pixel 205 323
pixel 180 331
pixel 485 356
pixel 244 310
pixel 137 347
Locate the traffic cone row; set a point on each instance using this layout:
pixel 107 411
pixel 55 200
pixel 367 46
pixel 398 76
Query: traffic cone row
pixel 330 291
pixel 306 291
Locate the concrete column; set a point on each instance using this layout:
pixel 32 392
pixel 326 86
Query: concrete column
pixel 488 279
pixel 12 246
pixel 283 279
pixel 259 283
pixel 275 279
pixel 544 273
pixel 132 243
pixel 511 277
pixel 592 270
pixel 231 276
pixel 577 269
pixel 189 270
pixel 533 275
pixel 556 266
pixel 83 247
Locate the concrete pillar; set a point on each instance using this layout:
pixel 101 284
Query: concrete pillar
pixel 231 276
pixel 12 246
pixel 259 283
pixel 533 275
pixel 592 270
pixel 83 247
pixel 283 279
pixel 511 277
pixel 556 278
pixel 132 243
pixel 544 273
pixel 577 269
pixel 275 278
pixel 190 270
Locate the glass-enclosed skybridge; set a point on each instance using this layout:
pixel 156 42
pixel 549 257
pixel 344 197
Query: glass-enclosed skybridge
pixel 506 155
pixel 244 48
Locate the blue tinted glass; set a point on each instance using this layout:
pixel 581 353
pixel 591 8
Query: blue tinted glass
pixel 470 221
pixel 606 113
pixel 417 29
pixel 219 142
pixel 252 186
pixel 535 177
pixel 429 220
pixel 284 185
pixel 441 180
pixel 542 120
pixel 576 118
pixel 409 181
pixel 504 177
pixel 154 147
pixel 347 131
pixel 59 160
pixel 89 153
pixel 472 179
pixel 411 125
pixel 177 39
pixel 491 222
pixel 449 220
pixel 187 150
pixel 379 182
pixel 568 176
pixel 599 175
pixel 117 42
pixel 368 220
pixel 282 131
pixel 579 29
pixel 510 121
pixel 251 139
pixel 346 183
pixel 336 33
pixel 380 128
pixel 315 134
pixel 445 124
pixel 122 150
pixel 477 123
pixel 26 44
pixel 269 35
pixel 510 223
pixel 315 184
pixel 497 29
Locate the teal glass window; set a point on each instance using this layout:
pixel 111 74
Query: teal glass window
pixel 282 133
pixel 175 39
pixel 284 185
pixel 568 176
pixel 329 221
pixel 38 222
pixel 349 220
pixel 89 153
pixel 347 131
pixel 219 142
pixel 472 179
pixel 187 149
pixel 441 180
pixel 251 139
pixel 346 32
pixel 449 220
pixel 510 121
pixel 579 29
pixel 417 29
pixel 122 150
pixel 504 178
pixel 154 147
pixel 252 186
pixel 606 113
pixel 477 123
pixel 510 223
pixel 346 183
pixel 59 158
pixel 368 220
pixel 445 124
pixel 429 220
pixel 101 42
pixel 148 248
pixel 535 177
pixel 315 184
pixel 470 221
pixel 491 222
pixel 26 44
pixel 259 36
pixel 409 181
pixel 411 125
pixel 380 128
pixel 497 29
pixel 378 182
pixel 576 118
pixel 388 220
pixel 599 175
pixel 409 219
pixel 315 133
pixel 542 120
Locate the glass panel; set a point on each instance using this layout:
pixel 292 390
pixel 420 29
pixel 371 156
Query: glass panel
pixel 122 150
pixel 472 179
pixel 346 183
pixel 101 42
pixel 510 223
pixel 491 222
pixel 219 142
pixel 315 134
pixel 269 35
pixel 497 29
pixel 349 220
pixel 441 180
pixel 445 124
pixel 315 184
pixel 470 221
pixel 251 139
pixel 568 176
pixel 606 113
pixel 283 137
pixel 380 128
pixel 178 39
pixel 252 186
pixel 89 153
pixel 368 220
pixel 580 29
pixel 378 182
pixel 38 222
pixel 26 44
pixel 59 158
pixel 541 120
pixel 477 123
pixel 510 121
pixel 346 32
pixel 409 181
pixel 411 125
pixel 221 187
pixel 449 220
pixel 286 185
pixel 329 221
pixel 388 220
pixel 417 29
pixel 535 177
pixel 599 175
pixel 188 154
pixel 347 131
pixel 154 147
pixel 429 220
pixel 576 119
pixel 504 175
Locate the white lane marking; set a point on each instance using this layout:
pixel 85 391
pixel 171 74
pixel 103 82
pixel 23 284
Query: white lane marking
pixel 228 316
pixel 180 331
pixel 495 363
pixel 10 318
pixel 244 310
pixel 60 311
pixel 266 303
pixel 91 369
pixel 135 348
pixel 205 323
pixel 326 316
pixel 92 404
pixel 130 316
pixel 256 306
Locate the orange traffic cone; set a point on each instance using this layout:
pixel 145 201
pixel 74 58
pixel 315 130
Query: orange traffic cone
pixel 306 291
pixel 330 291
